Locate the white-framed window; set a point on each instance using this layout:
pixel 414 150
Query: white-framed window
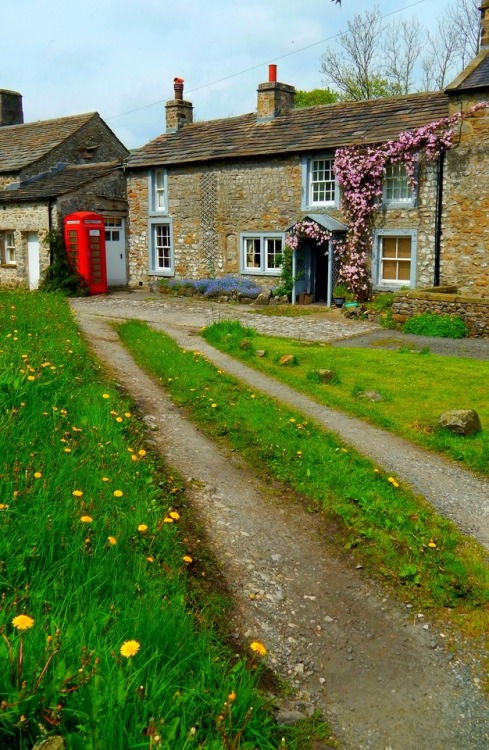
pixel 161 249
pixel 395 258
pixel 113 229
pixel 397 190
pixel 158 190
pixel 261 253
pixel 7 248
pixel 319 186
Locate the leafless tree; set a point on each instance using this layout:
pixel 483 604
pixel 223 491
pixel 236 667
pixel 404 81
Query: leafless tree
pixel 465 16
pixel 442 54
pixel 402 46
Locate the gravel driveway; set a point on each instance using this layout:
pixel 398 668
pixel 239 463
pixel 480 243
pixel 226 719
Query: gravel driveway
pixel 381 673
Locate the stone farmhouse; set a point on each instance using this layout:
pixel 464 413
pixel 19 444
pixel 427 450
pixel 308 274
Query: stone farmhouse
pixel 49 169
pixel 218 197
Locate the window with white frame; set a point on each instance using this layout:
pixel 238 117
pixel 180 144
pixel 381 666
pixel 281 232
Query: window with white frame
pixel 158 188
pixel 7 248
pixel 395 259
pixel 262 253
pixel 397 187
pixel 161 260
pixel 319 188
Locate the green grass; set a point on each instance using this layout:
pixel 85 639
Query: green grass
pixel 72 448
pixel 395 534
pixel 415 387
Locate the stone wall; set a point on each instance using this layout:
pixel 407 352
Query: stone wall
pixel 210 206
pixel 473 310
pixel 465 241
pixel 22 218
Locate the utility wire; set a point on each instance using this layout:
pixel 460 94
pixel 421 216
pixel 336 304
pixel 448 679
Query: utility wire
pixel 260 65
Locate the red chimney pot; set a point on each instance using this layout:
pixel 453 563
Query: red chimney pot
pixel 272 73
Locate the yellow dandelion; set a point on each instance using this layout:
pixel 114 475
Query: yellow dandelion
pixel 105 479
pixel 23 622
pixel 187 559
pixel 129 648
pixel 142 528
pixel 168 520
pixel 113 413
pixel 150 558
pixel 174 514
pixel 31 377
pixel 299 453
pixel 141 452
pixel 252 395
pixel 344 450
pixel 232 697
pixel 128 414
pixel 214 406
pixel 86 519
pixel 292 420
pixel 377 471
pixel 119 419
pixel 134 457
pixel 431 543
pixel 67 450
pixel 77 493
pixel 112 540
pixel 118 493
pixel 105 395
pixel 3 506
pixel 393 481
pixel 258 648
pixel 37 474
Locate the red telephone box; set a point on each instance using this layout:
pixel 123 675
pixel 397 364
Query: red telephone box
pixel 85 245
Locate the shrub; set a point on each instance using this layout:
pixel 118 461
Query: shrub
pixel 60 276
pixel 433 324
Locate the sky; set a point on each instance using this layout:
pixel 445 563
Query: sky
pixel 119 57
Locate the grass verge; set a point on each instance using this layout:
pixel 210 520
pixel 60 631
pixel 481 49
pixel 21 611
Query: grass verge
pixel 413 388
pixel 395 534
pixel 101 639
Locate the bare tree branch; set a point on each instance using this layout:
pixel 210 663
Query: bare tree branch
pixel 402 46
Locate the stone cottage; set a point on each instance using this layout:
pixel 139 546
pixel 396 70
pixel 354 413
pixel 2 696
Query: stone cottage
pixel 218 197
pixel 49 169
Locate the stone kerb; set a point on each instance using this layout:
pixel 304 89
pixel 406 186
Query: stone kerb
pixel 474 311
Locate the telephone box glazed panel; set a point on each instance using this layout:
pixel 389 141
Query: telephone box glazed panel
pixel 85 245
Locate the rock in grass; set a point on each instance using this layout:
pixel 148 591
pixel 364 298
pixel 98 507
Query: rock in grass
pixel 461 421
pixel 287 359
pixel 263 298
pixel 260 353
pixel 245 344
pixel 325 376
pixel 371 396
pixel 51 743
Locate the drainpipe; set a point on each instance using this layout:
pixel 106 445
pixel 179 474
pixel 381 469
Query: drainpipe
pixel 329 292
pixel 50 227
pixel 438 217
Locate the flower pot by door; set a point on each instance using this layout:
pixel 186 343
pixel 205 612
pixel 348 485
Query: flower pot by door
pixel 339 301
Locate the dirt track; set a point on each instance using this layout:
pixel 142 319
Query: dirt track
pixel 378 671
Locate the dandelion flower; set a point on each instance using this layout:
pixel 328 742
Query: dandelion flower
pixel 112 540
pixel 214 406
pixel 232 697
pixel 141 452
pixel 3 506
pixel 23 622
pixel 431 543
pixel 130 648
pixel 150 558
pixel 258 648
pixel 105 479
pixel 174 515
pixel 31 377
pixel 299 453
pixel 168 520
pixel 67 450
pixel 105 395
pixel 77 493
pixel 134 457
pixel 37 474
pixel 119 419
pixel 86 519
pixel 128 414
pixel 118 493
pixel 187 559
pixel 393 481
pixel 142 528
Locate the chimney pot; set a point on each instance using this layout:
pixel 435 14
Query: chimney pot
pixel 178 88
pixel 272 73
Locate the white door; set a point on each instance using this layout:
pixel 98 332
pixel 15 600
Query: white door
pixel 33 259
pixel 115 252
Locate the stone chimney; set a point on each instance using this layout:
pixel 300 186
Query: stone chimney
pixel 274 98
pixel 178 111
pixel 484 9
pixel 10 108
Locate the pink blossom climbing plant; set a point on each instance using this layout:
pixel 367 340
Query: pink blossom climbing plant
pixel 308 229
pixel 360 173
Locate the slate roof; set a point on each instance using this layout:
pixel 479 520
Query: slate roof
pixel 475 75
pixel 57 182
pixel 307 129
pixel 21 145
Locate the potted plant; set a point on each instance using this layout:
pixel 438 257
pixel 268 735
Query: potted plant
pixel 340 293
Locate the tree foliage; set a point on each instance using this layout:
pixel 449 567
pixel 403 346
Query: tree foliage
pixel 316 96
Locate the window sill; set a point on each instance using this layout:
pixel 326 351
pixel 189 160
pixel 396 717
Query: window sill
pixel 8 265
pixel 260 272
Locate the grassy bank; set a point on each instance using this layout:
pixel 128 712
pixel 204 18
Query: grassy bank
pixel 392 532
pixel 413 388
pixel 101 640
